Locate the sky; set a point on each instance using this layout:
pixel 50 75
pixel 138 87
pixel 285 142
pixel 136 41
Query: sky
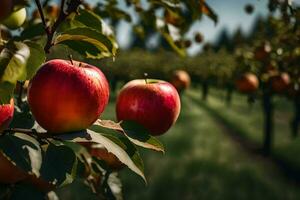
pixel 231 16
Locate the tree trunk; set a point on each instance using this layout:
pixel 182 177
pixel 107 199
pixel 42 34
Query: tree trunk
pixel 296 120
pixel 268 109
pixel 204 90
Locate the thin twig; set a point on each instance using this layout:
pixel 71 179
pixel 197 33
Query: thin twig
pixel 40 9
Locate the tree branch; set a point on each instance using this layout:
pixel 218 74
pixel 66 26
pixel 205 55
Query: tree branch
pixel 72 7
pixel 31 132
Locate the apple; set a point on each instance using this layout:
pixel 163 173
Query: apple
pixel 52 11
pixel 6 115
pixel 6 8
pixel 198 37
pixel 154 104
pixel 100 152
pixel 249 8
pixel 15 19
pixel 180 80
pixel 9 172
pixel 280 82
pixel 247 83
pixel 66 96
pixel 262 52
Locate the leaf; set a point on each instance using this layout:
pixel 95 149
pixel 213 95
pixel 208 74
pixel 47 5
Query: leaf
pixel 59 165
pixel 89 19
pixel 99 45
pixel 120 146
pixel 23 150
pixel 136 133
pixel 6 92
pixel 13 60
pixel 205 9
pixel 36 59
pixel 26 191
pixel 114 142
pixel 32 31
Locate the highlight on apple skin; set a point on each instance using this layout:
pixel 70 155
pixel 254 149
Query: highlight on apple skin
pixel 154 104
pixel 6 115
pixel 66 97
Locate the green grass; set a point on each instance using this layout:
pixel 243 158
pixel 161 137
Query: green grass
pixel 202 162
pixel 248 122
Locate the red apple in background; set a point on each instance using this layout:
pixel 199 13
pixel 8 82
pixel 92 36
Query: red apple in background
pixel 280 82
pixel 180 80
pixel 155 104
pixel 6 115
pixel 67 96
pixel 247 83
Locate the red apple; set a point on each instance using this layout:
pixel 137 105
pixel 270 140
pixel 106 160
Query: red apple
pixel 247 83
pixel 155 104
pixel 6 115
pixel 67 96
pixel 180 80
pixel 280 82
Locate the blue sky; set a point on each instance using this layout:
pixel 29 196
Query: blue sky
pixel 231 16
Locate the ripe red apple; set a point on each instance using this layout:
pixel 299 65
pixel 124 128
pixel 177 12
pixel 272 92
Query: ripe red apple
pixel 39 183
pixel 180 80
pixel 100 152
pixel 67 96
pixel 6 115
pixel 280 82
pixel 6 8
pixel 247 83
pixel 155 104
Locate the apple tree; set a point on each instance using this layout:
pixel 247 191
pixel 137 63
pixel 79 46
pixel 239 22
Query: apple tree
pixel 52 140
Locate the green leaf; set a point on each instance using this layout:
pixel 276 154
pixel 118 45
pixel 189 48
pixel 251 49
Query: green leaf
pixel 59 165
pixel 115 142
pixel 98 44
pixel 23 150
pixel 136 133
pixel 36 59
pixel 13 60
pixel 120 146
pixel 32 31
pixel 89 19
pixel 6 92
pixel 207 10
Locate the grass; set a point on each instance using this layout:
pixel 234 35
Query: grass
pixel 202 162
pixel 248 122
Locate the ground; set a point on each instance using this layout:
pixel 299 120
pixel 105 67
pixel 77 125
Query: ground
pixel 203 161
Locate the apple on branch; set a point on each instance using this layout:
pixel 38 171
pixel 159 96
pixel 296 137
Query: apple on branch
pixel 66 96
pixel 154 104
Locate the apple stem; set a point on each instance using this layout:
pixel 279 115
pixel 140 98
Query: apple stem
pixel 71 59
pixel 145 77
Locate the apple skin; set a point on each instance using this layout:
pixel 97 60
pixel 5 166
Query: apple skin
pixel 180 80
pixel 6 115
pixel 66 97
pixel 10 173
pixel 247 83
pixel 15 19
pixel 280 82
pixel 39 183
pixel 155 104
pixel 6 8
